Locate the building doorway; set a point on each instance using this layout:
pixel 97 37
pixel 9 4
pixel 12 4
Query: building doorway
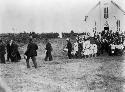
pixel 106 28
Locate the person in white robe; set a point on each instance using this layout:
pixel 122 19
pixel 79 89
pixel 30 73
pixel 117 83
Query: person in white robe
pixel 87 49
pixel 91 50
pixel 124 44
pixel 75 48
pixel 113 48
pixel 95 50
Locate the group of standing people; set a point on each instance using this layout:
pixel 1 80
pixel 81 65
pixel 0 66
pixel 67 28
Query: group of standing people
pixel 81 49
pixel 12 51
pixel 112 42
pixel 108 42
pixel 13 55
pixel 31 52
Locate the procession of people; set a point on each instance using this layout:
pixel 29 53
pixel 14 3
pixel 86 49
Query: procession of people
pixel 112 43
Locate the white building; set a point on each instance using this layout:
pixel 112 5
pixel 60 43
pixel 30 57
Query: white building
pixel 106 15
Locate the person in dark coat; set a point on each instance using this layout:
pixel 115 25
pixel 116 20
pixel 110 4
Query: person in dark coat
pixel 2 52
pixel 48 51
pixel 80 48
pixel 8 50
pixel 14 53
pixel 31 52
pixel 69 47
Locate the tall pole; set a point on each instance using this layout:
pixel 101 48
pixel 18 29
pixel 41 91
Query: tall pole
pixel 100 13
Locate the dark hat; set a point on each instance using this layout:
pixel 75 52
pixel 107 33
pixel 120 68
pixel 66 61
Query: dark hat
pixel 30 40
pixel 67 39
pixel 0 40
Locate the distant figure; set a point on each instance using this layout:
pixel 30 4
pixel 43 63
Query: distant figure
pixel 112 49
pixel 48 51
pixel 8 50
pixel 75 49
pixel 31 52
pixel 69 47
pixel 2 52
pixel 95 49
pixel 80 48
pixel 124 44
pixel 14 53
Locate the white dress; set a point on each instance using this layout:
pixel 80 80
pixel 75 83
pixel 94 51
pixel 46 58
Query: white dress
pixel 75 46
pixel 112 46
pixel 121 46
pixel 95 48
pixel 91 48
pixel 124 43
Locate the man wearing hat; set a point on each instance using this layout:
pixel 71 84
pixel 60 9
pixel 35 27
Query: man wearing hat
pixel 69 47
pixel 2 52
pixel 48 51
pixel 13 51
pixel 31 52
pixel 8 47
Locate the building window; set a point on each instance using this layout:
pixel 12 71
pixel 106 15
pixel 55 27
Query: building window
pixel 118 25
pixel 106 13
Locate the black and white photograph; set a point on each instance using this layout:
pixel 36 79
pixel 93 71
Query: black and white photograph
pixel 62 45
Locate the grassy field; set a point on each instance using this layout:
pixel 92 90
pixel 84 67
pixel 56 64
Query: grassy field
pixel 100 74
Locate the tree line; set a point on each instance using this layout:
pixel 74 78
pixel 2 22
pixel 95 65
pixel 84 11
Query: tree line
pixel 24 36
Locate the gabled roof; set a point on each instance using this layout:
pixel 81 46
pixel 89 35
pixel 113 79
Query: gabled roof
pixel 118 7
pixel 99 3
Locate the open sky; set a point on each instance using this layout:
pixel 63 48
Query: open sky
pixel 45 15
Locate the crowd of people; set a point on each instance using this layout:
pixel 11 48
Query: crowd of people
pixel 112 43
pixel 109 42
pixel 81 49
